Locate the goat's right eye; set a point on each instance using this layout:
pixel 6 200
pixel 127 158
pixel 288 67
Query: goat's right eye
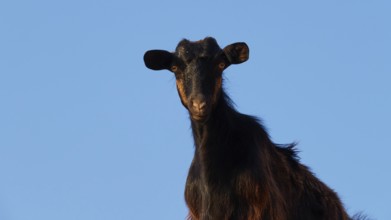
pixel 222 65
pixel 174 68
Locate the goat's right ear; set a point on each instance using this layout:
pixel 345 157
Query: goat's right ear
pixel 158 59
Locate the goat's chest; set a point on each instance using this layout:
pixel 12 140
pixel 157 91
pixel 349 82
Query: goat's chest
pixel 212 184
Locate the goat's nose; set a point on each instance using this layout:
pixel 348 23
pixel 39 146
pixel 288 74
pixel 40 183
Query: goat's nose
pixel 199 105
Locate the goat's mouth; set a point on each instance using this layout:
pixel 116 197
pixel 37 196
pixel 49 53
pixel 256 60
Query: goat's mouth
pixel 199 117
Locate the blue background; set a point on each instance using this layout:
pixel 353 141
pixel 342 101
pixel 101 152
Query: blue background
pixel 87 132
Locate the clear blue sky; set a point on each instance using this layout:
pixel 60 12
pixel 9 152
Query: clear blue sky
pixel 87 132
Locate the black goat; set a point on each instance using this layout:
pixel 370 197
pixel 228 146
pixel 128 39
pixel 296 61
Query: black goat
pixel 237 171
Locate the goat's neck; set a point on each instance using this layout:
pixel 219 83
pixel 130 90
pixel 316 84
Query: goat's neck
pixel 220 116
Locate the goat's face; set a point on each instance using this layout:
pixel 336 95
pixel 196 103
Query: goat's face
pixel 198 68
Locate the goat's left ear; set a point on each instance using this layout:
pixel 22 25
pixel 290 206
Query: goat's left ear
pixel 158 59
pixel 237 53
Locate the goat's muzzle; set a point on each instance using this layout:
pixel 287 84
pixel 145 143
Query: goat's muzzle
pixel 199 109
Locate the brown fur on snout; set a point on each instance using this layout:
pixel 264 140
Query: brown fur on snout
pixel 181 91
pixel 216 92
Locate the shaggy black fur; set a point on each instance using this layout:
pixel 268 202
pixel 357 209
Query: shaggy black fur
pixel 237 171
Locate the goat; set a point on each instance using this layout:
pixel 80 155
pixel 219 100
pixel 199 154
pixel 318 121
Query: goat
pixel 237 172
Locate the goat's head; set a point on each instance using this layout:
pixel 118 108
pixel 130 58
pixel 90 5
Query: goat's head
pixel 198 68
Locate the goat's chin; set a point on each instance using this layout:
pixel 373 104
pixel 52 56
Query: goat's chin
pixel 199 118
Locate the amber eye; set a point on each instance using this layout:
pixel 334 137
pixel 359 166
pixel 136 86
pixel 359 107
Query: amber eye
pixel 221 65
pixel 174 68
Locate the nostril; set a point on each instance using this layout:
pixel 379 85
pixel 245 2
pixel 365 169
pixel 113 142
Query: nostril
pixel 202 105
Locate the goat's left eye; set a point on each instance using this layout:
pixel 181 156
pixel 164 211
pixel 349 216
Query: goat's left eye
pixel 174 68
pixel 221 65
